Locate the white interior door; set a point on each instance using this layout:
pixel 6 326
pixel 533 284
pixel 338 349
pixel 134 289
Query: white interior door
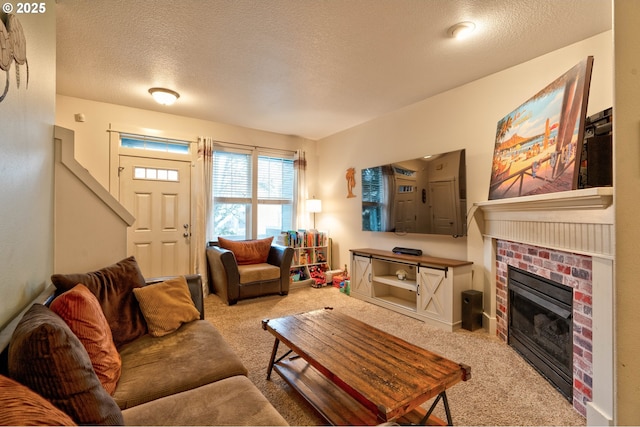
pixel 158 194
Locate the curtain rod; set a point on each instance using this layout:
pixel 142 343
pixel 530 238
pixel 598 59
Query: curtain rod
pixel 255 147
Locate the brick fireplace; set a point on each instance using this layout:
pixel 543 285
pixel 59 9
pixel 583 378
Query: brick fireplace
pixel 572 270
pixel 568 238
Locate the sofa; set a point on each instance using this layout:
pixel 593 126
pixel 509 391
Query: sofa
pixel 239 270
pixel 109 347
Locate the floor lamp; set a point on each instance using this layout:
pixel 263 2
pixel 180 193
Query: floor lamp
pixel 314 206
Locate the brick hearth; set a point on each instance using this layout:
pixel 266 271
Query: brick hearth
pixel 571 270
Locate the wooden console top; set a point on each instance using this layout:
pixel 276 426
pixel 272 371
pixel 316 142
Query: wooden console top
pixel 422 259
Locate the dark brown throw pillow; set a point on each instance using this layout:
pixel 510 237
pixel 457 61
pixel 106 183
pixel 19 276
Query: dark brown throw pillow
pixel 113 286
pixel 23 407
pixel 47 357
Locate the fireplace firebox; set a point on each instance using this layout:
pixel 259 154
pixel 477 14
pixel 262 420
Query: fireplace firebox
pixel 541 326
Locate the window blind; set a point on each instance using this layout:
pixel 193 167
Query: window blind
pixel 232 174
pixel 275 179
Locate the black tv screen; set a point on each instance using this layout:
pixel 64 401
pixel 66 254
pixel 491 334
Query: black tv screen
pixel 426 195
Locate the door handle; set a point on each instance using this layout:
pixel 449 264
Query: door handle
pixel 186 231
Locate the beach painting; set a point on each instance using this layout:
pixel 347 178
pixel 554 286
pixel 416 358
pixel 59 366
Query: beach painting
pixel 538 143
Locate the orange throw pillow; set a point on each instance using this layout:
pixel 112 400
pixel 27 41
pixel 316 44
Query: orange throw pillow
pixel 21 407
pixel 248 251
pixel 80 309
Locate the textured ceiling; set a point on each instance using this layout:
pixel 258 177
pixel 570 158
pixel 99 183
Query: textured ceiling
pixel 301 67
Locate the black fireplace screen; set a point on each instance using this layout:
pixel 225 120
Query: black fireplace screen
pixel 541 326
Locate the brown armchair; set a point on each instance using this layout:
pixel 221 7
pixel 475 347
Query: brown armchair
pixel 233 282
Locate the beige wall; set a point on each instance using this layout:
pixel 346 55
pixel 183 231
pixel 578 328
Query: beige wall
pixel 627 201
pixel 92 139
pixel 26 168
pixel 90 225
pixel 465 117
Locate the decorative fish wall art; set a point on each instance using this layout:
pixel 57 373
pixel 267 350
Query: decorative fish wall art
pixel 13 47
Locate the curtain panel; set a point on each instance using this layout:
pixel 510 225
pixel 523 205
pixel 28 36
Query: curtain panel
pixel 300 166
pixel 203 202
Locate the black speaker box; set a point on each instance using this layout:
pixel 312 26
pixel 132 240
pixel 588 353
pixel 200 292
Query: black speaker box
pixel 596 158
pixel 471 310
pixel 599 161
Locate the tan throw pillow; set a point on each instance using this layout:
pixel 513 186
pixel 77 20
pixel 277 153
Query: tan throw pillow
pixel 113 287
pixel 248 251
pixel 21 406
pixel 47 357
pixel 80 309
pixel 166 305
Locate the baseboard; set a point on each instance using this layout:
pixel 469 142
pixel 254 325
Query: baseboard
pixel 489 323
pixel 595 416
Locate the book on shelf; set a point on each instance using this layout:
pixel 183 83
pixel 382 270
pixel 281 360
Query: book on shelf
pixel 302 238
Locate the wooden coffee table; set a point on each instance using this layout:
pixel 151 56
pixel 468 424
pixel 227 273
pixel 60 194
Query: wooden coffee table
pixel 355 374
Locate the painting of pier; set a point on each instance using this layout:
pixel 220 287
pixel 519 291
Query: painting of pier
pixel 538 145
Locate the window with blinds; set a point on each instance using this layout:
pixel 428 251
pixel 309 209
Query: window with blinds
pixel 253 194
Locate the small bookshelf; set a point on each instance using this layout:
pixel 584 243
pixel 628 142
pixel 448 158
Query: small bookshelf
pixel 311 255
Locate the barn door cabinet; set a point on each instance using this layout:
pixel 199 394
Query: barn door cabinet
pixel 426 288
pixel 361 276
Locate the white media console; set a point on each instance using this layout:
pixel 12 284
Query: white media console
pixel 423 287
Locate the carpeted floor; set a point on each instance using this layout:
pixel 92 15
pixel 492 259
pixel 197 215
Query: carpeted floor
pixel 503 389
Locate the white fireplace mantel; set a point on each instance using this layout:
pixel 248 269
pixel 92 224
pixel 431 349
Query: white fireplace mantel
pixel 587 198
pixel 578 221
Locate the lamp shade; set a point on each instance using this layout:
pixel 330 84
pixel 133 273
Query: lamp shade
pixel 314 205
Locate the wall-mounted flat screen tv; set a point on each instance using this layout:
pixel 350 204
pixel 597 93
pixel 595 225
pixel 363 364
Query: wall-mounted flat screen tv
pixel 426 195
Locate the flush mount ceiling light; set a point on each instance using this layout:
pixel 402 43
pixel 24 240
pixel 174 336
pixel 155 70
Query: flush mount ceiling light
pixel 462 30
pixel 164 96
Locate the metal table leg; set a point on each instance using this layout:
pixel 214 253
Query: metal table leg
pixel 445 402
pixel 273 358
